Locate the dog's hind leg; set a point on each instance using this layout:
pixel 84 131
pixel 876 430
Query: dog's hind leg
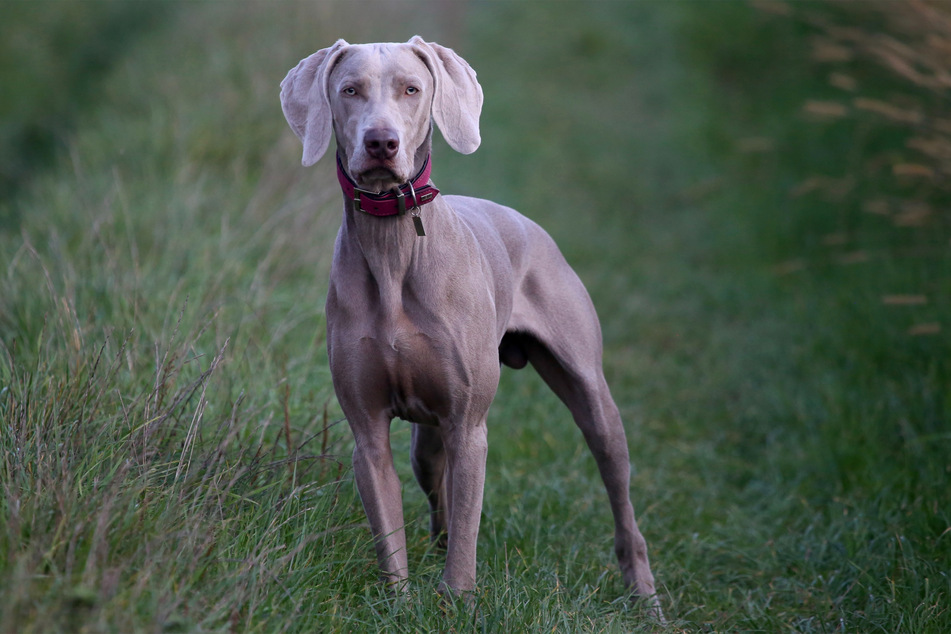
pixel 429 466
pixel 580 384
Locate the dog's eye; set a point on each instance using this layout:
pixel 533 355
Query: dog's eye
pixel 412 90
pixel 349 90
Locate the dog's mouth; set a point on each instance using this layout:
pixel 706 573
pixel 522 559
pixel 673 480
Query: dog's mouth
pixel 379 179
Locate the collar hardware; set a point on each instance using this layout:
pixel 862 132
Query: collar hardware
pixel 394 202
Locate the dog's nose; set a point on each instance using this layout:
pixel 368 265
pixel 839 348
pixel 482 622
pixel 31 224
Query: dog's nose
pixel 381 143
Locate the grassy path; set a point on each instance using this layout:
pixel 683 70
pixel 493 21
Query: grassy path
pixel 172 455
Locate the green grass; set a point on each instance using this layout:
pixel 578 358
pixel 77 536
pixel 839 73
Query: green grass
pixel 51 62
pixel 172 455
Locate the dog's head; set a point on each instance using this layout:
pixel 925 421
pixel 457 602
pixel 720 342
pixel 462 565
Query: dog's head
pixel 380 101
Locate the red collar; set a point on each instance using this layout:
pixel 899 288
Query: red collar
pixel 397 201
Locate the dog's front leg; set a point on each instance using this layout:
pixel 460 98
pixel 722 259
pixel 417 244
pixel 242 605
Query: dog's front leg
pixel 466 449
pixel 379 488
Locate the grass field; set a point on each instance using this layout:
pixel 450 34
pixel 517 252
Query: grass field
pixel 776 323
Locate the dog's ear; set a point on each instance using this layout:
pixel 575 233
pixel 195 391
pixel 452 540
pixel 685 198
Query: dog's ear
pixel 457 102
pixel 305 102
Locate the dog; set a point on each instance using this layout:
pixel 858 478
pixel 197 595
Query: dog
pixel 430 294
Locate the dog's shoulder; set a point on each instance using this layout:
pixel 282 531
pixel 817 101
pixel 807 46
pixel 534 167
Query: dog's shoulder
pixel 493 224
pixel 480 213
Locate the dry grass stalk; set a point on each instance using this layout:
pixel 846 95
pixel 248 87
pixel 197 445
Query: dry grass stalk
pixel 905 300
pixel 912 41
pixel 930 328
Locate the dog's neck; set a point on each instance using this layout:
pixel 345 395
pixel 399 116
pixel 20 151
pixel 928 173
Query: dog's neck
pixel 390 245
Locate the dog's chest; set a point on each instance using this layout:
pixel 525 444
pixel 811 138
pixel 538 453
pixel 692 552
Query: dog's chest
pixel 400 369
pixel 416 347
pixel 419 376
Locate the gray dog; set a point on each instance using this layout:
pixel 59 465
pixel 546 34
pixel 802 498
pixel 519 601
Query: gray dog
pixel 417 326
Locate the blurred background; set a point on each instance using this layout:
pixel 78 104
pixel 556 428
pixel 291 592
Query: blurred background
pixel 755 193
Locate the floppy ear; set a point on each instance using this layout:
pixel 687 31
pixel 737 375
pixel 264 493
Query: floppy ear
pixel 457 101
pixel 305 103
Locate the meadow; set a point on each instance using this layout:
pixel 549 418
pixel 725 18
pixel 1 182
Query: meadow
pixel 754 194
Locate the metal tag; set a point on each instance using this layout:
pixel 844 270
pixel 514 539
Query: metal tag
pixel 418 223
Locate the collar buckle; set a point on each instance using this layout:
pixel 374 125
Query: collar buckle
pixel 356 198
